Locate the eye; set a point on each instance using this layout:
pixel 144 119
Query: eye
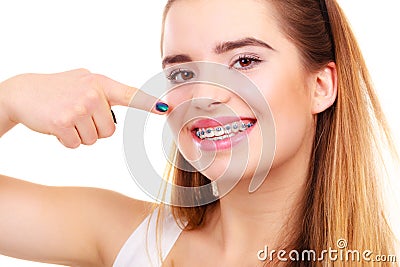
pixel 180 75
pixel 246 62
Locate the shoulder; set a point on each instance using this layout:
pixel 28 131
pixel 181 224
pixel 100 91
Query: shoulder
pixel 151 241
pixel 114 218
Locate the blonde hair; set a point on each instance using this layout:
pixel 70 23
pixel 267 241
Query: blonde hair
pixel 343 199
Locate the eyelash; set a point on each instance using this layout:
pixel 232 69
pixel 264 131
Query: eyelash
pixel 174 74
pixel 255 60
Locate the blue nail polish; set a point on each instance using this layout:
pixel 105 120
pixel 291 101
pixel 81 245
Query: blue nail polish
pixel 162 107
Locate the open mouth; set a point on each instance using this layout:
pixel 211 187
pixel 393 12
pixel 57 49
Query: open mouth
pixel 223 132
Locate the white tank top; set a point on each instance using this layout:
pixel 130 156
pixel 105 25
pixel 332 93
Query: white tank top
pixel 136 253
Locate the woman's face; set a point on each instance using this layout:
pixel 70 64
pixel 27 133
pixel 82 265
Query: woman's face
pixel 244 36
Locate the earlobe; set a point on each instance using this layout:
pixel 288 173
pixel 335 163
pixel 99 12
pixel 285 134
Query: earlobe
pixel 325 89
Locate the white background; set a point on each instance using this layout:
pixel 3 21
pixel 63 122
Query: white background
pixel 120 39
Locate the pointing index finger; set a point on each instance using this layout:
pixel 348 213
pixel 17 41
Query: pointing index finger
pixel 124 95
pixel 144 101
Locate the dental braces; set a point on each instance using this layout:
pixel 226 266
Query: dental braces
pixel 223 132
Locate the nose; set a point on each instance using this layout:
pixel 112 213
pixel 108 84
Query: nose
pixel 209 97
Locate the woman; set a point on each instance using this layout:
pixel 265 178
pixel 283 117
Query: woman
pixel 322 185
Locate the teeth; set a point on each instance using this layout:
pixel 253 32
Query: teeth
pixel 235 127
pixel 219 131
pixel 223 132
pixel 228 129
pixel 201 133
pixel 209 132
pixel 221 137
pixel 242 127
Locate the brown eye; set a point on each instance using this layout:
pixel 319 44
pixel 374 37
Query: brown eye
pixel 244 62
pixel 180 76
pixel 187 75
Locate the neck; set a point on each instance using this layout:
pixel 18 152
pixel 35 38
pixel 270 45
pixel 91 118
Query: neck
pixel 265 216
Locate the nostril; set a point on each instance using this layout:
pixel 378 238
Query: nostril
pixel 215 103
pixel 207 104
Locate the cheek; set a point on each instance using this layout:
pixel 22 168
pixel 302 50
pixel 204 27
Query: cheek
pixel 179 99
pixel 176 97
pixel 290 104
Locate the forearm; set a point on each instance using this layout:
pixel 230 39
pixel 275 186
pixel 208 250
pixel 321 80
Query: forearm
pixel 5 121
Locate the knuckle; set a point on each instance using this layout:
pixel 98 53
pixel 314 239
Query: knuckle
pixel 90 141
pixel 80 71
pixel 129 93
pixel 89 80
pixel 79 111
pixel 92 95
pixel 87 104
pixel 71 144
pixel 92 99
pixel 99 77
pixel 83 71
pixel 94 79
pixel 62 122
pixel 74 145
pixel 109 131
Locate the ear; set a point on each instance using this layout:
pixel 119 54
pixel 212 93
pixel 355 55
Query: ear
pixel 325 88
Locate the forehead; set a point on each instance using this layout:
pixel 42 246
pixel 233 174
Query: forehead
pixel 198 25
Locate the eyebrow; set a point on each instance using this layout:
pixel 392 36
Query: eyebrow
pixel 176 59
pixel 221 48
pixel 231 45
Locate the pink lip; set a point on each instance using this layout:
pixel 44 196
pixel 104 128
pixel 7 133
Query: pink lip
pixel 219 121
pixel 228 143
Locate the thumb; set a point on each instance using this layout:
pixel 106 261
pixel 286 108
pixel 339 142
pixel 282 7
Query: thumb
pixel 124 95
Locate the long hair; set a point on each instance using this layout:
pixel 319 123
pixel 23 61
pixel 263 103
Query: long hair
pixel 343 198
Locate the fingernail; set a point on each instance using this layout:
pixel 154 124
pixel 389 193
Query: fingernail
pixel 113 115
pixel 162 107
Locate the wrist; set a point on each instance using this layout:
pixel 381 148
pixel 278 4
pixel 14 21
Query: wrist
pixel 6 123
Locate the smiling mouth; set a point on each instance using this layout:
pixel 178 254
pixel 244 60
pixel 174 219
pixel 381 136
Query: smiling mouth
pixel 222 132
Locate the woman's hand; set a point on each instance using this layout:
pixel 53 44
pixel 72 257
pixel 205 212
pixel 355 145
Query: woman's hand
pixel 74 106
pixel 63 225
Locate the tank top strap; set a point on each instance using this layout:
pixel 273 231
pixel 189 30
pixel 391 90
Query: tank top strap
pixel 141 248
